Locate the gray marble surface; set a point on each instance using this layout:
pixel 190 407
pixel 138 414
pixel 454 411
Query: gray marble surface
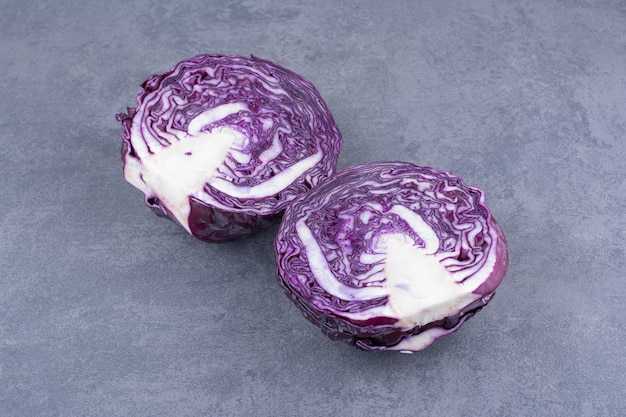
pixel 107 310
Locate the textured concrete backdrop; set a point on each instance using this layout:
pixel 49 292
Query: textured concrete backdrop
pixel 107 310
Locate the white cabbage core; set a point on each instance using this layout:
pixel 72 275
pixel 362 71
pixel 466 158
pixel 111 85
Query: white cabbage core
pixel 181 169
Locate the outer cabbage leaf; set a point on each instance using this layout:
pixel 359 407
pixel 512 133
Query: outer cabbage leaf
pixel 221 144
pixel 390 256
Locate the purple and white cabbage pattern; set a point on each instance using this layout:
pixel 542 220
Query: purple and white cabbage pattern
pixel 221 144
pixel 390 256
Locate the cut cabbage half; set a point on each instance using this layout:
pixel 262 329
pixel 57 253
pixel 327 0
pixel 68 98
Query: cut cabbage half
pixel 221 144
pixel 390 256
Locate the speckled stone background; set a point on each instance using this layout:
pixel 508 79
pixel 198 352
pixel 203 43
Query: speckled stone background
pixel 107 310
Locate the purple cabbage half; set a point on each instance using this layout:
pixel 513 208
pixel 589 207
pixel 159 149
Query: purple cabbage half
pixel 221 144
pixel 390 256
